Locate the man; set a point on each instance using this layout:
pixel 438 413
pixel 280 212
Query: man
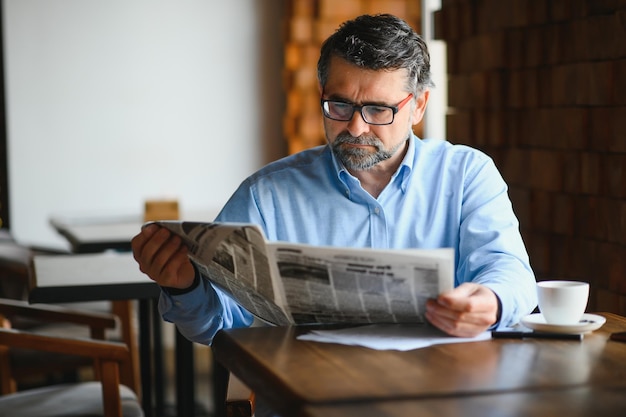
pixel 375 184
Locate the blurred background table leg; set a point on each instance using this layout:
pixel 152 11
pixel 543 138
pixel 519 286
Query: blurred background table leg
pixel 185 381
pixel 151 348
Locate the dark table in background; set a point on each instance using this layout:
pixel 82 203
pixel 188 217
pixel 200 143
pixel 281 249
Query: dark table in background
pixel 90 235
pixel 98 234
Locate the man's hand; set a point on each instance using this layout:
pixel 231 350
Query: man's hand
pixel 465 311
pixel 162 256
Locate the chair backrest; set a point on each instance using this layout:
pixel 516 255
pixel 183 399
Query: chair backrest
pixel 16 270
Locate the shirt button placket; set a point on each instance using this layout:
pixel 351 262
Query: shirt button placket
pixel 378 227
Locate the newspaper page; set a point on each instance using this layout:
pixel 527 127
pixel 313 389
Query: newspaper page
pixel 361 285
pixel 234 257
pixel 285 283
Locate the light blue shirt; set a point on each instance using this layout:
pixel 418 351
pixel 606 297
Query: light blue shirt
pixel 442 195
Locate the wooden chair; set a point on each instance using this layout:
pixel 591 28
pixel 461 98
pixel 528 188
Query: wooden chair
pixel 15 273
pixel 107 397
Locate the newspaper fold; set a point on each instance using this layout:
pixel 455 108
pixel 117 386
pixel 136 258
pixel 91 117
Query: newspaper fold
pixel 286 283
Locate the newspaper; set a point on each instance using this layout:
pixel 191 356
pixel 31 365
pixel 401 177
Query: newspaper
pixel 286 283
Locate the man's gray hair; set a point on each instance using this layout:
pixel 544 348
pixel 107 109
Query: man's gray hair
pixel 379 42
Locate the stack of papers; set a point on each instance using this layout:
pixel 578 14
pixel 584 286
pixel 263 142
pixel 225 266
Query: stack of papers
pixel 389 336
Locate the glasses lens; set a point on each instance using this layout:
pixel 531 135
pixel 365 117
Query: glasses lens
pixel 338 110
pixel 372 114
pixel 379 115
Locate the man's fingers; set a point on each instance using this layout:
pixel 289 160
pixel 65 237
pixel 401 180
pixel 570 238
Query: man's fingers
pixel 466 325
pixel 166 249
pixel 153 248
pixel 163 257
pixel 454 327
pixel 467 310
pixel 453 315
pixel 467 297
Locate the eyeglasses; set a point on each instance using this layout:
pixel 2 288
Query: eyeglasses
pixel 372 114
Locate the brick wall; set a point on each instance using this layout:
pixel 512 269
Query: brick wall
pixel 309 23
pixel 540 85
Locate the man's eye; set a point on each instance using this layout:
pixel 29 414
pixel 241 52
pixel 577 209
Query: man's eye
pixel 377 110
pixel 342 106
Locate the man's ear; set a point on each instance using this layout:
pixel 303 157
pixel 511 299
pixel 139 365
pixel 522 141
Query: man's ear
pixel 420 106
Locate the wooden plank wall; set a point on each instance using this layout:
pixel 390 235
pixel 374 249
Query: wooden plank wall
pixel 309 22
pixel 540 85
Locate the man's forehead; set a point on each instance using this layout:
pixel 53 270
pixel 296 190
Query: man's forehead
pixel 347 78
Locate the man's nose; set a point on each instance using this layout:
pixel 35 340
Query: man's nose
pixel 357 125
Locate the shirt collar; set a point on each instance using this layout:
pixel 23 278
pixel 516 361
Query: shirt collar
pixel 404 171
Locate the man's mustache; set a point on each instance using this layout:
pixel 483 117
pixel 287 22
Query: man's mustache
pixel 346 138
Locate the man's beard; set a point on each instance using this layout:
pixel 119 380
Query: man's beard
pixel 355 158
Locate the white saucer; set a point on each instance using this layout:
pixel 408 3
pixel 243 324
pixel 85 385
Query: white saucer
pixel 588 323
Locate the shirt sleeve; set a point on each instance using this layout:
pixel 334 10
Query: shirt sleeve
pixel 202 312
pixel 491 250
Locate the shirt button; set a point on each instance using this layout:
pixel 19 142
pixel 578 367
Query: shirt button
pixel 377 210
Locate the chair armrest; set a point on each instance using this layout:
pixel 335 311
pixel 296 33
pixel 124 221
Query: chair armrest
pixel 96 349
pixel 52 313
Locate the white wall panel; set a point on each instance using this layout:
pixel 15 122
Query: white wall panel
pixel 110 102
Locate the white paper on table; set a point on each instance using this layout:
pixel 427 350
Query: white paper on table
pixel 389 336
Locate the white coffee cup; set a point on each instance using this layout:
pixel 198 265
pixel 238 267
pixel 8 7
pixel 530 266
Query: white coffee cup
pixel 562 302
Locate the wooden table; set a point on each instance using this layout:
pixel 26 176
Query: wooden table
pixel 569 402
pixel 98 234
pixel 314 379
